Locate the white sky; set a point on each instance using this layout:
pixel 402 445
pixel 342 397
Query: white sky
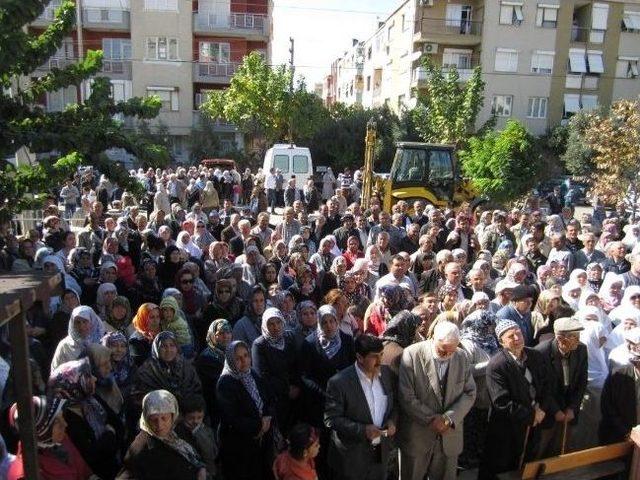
pixel 322 31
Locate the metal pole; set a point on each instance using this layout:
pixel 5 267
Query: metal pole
pixel 293 71
pixel 564 437
pixel 524 448
pixel 22 385
pixel 80 41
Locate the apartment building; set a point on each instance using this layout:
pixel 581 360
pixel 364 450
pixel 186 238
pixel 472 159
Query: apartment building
pixel 542 61
pixel 178 50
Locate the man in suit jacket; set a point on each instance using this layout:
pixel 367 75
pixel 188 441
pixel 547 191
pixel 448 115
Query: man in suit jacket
pixel 360 411
pixel 566 359
pixel 292 193
pixel 517 386
pixel 436 391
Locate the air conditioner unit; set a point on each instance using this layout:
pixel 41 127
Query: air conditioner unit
pixel 425 3
pixel 430 48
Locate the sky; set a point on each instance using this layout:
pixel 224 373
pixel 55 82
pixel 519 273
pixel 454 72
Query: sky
pixel 322 31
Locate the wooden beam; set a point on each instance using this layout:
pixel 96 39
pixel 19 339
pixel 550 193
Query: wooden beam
pixel 22 381
pixel 575 460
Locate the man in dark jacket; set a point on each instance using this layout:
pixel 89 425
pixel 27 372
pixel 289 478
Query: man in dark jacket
pixel 519 310
pixel 347 230
pixel 517 386
pixel 566 359
pixel 292 193
pixel 361 412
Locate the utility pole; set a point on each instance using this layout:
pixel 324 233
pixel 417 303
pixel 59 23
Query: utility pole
pixel 80 41
pixel 293 70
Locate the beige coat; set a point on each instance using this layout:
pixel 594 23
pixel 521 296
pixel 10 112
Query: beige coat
pixel 421 400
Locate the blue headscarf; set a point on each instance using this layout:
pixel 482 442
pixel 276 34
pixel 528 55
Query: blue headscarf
pixel 479 328
pixel 246 378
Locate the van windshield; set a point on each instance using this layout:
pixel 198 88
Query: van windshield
pixel 281 162
pixel 300 164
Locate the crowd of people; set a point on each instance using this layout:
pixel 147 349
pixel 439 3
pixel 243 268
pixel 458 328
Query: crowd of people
pixel 196 337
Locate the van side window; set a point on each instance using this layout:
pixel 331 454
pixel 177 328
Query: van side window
pixel 300 164
pixel 281 162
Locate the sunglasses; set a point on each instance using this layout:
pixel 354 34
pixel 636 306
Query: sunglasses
pixel 200 226
pixel 187 280
pixel 634 297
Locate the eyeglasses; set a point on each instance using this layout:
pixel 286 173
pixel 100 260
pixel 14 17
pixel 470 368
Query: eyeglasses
pixel 187 280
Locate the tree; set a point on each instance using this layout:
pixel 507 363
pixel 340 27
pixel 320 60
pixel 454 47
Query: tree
pixel 447 111
pixel 614 138
pixel 78 135
pixel 578 155
pixel 502 165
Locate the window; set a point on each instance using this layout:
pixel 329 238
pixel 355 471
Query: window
pixel 599 17
pixel 161 5
pixel 547 16
pixel 511 13
pixel 104 15
pixel 440 165
pixel 168 96
pixel 300 164
pixel 542 62
pixel 401 102
pixel 454 15
pixel 460 59
pixel 405 24
pixel 594 58
pixel 506 60
pixel 281 162
pixel 577 60
pixel 368 83
pixel 537 107
pixel 162 48
pixel 627 67
pixel 58 100
pixel 116 48
pixel 214 52
pixel 176 146
pixel 121 90
pixel 574 102
pixel 631 22
pixel 501 105
pixel 589 102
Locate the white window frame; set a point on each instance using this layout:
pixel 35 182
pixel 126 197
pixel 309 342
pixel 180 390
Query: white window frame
pixel 223 55
pixel 504 103
pixel 542 62
pixel 595 61
pixel 451 57
pixel 599 16
pixel 537 107
pixel 168 95
pixel 506 60
pixel 631 22
pixel 571 104
pixel 120 46
pixel 577 60
pixel 511 13
pixel 170 43
pixel 453 15
pixel 161 5
pixel 62 98
pixel 588 102
pixel 126 87
pixel 547 14
pixel 628 67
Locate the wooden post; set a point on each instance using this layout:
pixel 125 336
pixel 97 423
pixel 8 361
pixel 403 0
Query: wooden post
pixel 22 380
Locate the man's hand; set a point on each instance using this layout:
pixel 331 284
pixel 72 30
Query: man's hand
pixel 438 424
pixel 372 432
pixel 569 415
pixel 391 429
pixel 539 416
pixel 560 416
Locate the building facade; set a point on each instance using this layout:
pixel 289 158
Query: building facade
pixel 178 50
pixel 542 60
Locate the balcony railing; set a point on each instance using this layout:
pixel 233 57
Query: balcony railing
pixel 587 35
pixel 420 75
pixel 218 125
pixel 106 18
pixel 447 26
pixel 55 62
pixel 239 23
pixel 214 72
pixel 49 12
pixel 120 69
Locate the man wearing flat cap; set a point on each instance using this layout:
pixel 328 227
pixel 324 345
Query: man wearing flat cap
pixel 517 386
pixel 519 311
pixel 566 359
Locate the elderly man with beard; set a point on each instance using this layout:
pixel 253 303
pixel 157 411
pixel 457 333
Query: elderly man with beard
pixel 436 391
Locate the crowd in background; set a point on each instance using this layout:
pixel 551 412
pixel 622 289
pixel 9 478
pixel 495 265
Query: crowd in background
pixel 199 336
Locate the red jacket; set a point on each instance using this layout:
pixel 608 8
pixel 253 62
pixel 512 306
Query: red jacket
pixel 51 467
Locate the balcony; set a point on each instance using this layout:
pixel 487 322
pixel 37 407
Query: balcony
pixel 449 31
pixel 421 78
pixel 587 35
pixel 117 69
pixel 48 14
pixel 218 125
pixel 252 26
pixel 53 62
pixel 106 19
pixel 219 73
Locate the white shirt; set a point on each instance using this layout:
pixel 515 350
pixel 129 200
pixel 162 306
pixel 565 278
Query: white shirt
pixel 389 279
pixel 270 182
pixel 376 398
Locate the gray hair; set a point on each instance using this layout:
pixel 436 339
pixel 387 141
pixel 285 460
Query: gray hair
pixel 447 332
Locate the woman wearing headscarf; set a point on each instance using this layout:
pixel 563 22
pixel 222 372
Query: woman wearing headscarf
pixel 225 304
pixel 92 429
pixel 545 313
pixel 209 198
pixel 53 264
pixel 171 320
pixel 246 412
pixel 274 357
pixel 248 328
pixel 628 317
pixel 58 457
pixel 334 276
pixel 107 391
pixel 307 316
pixel 202 237
pixel 59 324
pixel 166 369
pixel 304 286
pixel 571 292
pixel 84 273
pixel 594 276
pixel 209 364
pixel 84 329
pixel 630 302
pixel 382 310
pixel 107 293
pixel 122 367
pixel 611 291
pixel 170 266
pixel 119 318
pixel 185 243
pixel 479 342
pixel 157 451
pixel 148 287
pixel 399 334
pixel 147 325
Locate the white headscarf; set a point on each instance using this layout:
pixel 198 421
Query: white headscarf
pixel 191 248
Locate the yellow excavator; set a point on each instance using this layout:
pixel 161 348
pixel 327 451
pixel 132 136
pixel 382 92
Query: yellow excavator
pixel 420 171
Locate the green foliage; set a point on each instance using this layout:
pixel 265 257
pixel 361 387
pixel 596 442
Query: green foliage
pixel 78 135
pixel 578 156
pixel 502 165
pixel 447 111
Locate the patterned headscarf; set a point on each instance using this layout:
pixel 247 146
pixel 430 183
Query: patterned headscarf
pixel 330 345
pixel 246 378
pixel 271 314
pixel 45 411
pixel 402 328
pixel 121 370
pixel 479 328
pixel 217 326
pixel 96 331
pixel 157 343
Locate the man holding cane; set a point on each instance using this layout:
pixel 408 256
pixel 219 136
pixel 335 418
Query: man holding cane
pixel 517 386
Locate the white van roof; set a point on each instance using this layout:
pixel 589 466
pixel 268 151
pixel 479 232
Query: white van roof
pixel 287 146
